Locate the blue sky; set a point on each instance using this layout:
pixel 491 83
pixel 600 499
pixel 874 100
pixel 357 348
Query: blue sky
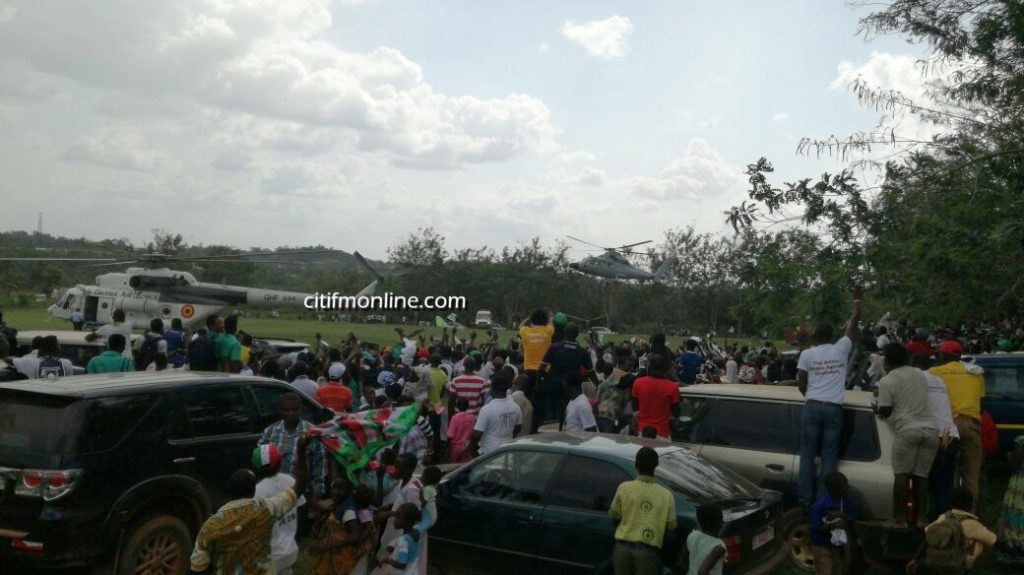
pixel 352 123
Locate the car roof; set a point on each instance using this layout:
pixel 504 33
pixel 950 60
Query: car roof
pixel 983 358
pixel 64 337
pixel 774 392
pixel 611 445
pixel 121 383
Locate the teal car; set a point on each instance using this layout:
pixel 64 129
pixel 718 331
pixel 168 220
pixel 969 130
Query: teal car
pixel 539 505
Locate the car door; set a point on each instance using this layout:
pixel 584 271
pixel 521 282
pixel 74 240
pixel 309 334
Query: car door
pixel 213 435
pixel 755 439
pixel 1004 396
pixel 489 513
pixel 576 522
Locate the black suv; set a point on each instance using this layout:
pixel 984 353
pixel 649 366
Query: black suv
pixel 119 471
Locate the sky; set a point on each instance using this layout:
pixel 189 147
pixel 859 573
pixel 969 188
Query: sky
pixel 352 123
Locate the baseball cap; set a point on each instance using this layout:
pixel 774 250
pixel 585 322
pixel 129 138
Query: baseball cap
pixel 266 456
pixel 560 319
pixel 336 371
pixel 951 347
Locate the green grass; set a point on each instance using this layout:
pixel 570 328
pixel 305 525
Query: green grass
pixel 36 318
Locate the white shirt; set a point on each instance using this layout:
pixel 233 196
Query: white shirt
pixel 497 421
pixel 123 328
pixel 731 371
pixel 938 400
pixel 826 366
pixel 579 415
pixel 161 343
pixel 282 540
pixel 882 341
pixel 305 385
pixel 408 350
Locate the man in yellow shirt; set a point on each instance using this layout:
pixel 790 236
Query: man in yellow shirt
pixel 643 513
pixel 966 388
pixel 536 332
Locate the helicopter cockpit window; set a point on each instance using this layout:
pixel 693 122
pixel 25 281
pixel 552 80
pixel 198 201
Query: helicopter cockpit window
pixel 65 301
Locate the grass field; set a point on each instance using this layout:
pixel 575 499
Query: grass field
pixel 36 318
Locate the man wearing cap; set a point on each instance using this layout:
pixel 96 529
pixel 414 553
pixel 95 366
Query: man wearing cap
pixel 919 343
pixel 334 394
pixel 821 378
pixel 237 539
pixel 266 460
pixel 966 386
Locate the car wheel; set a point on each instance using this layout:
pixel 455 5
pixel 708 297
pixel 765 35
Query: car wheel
pixel 797 526
pixel 157 545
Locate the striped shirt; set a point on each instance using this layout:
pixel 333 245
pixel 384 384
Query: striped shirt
pixel 470 387
pixel 288 443
pixel 417 440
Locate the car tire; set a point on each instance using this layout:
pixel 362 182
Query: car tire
pixel 797 527
pixel 156 545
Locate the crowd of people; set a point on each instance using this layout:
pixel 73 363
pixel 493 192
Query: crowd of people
pixel 474 394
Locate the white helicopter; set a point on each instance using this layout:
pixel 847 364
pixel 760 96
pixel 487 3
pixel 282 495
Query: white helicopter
pixel 144 294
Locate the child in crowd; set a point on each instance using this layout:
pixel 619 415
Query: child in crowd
pixel 346 539
pixel 428 499
pixel 705 552
pixel 459 431
pixel 403 551
pixel 831 527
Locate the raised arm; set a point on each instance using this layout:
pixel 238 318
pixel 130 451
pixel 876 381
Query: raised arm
pixel 853 326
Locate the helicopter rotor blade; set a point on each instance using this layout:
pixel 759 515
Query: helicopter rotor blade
pixel 588 243
pixel 116 263
pixel 249 255
pixel 58 259
pixel 620 248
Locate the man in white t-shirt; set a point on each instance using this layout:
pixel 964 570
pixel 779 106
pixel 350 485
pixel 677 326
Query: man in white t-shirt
pixel 119 326
pixel 903 395
pixel 943 471
pixel 732 371
pixel 283 548
pixel 821 377
pixel 579 414
pixel 498 421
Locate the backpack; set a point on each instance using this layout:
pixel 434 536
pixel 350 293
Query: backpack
pixel 202 354
pixel 51 368
pixel 148 350
pixel 947 544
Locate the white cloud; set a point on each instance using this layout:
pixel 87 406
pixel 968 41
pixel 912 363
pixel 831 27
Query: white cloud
pixel 116 149
pixel 780 117
pixel 700 173
pixel 592 176
pixel 266 59
pixel 602 39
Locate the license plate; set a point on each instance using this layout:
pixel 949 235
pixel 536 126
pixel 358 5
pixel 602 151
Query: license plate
pixel 764 536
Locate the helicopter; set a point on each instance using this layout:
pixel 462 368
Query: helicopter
pixel 612 264
pixel 146 293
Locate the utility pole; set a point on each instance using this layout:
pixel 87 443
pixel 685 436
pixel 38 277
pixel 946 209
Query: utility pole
pixel 39 224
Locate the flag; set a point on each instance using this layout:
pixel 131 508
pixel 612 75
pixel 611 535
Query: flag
pixel 354 438
pixel 439 321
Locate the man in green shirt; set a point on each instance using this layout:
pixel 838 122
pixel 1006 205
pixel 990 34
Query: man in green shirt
pixel 111 360
pixel 643 512
pixel 229 349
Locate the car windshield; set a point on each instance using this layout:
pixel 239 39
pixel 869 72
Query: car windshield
pixel 700 481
